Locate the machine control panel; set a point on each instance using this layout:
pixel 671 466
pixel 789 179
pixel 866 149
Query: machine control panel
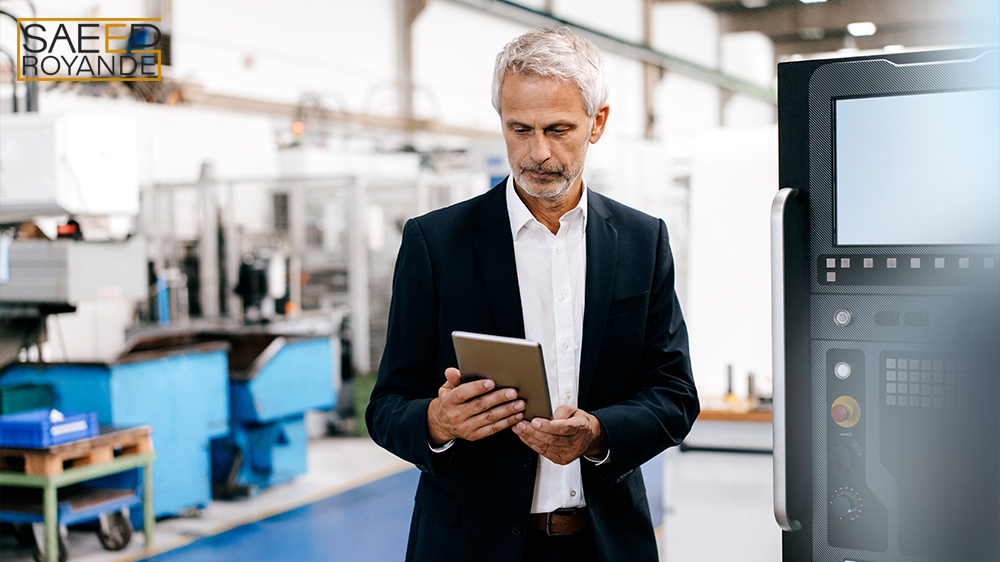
pixel 856 518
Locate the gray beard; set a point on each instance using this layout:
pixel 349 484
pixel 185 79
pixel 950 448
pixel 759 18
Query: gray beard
pixel 562 182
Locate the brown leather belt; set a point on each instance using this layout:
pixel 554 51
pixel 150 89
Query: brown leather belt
pixel 560 522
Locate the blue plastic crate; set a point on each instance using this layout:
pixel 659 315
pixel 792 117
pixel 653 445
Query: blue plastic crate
pixel 38 429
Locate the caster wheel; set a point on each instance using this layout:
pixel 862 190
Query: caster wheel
pixel 38 551
pixel 115 530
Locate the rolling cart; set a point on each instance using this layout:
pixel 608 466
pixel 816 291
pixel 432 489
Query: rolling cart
pixel 74 480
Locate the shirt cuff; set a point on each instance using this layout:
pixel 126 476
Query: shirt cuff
pixel 597 461
pixel 444 447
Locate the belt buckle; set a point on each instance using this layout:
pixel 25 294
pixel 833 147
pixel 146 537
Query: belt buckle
pixel 548 523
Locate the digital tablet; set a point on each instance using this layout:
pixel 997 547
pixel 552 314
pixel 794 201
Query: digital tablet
pixel 510 363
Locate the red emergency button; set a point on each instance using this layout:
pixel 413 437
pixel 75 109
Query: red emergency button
pixel 840 413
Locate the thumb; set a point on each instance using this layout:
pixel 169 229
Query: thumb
pixel 563 412
pixel 454 376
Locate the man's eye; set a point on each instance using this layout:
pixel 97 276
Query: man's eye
pixel 521 131
pixel 559 131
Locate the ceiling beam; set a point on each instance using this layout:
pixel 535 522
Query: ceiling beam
pixel 907 38
pixel 534 18
pixel 795 17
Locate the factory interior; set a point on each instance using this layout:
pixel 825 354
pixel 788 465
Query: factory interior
pixel 205 260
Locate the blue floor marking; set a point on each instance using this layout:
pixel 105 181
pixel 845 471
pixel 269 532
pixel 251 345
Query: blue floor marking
pixel 367 523
pixel 370 522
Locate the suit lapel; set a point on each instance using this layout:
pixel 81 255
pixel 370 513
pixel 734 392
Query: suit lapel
pixel 495 252
pixel 602 262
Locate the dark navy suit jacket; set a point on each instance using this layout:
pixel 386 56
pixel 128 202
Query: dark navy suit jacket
pixel 456 271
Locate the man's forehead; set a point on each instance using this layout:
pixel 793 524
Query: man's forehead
pixel 535 93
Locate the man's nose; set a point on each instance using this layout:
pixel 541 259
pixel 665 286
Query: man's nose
pixel 540 149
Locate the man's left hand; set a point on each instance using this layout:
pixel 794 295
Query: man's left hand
pixel 570 434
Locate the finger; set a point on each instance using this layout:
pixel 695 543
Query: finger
pixel 485 402
pixel 500 412
pixel 497 426
pixel 467 391
pixel 566 427
pixel 556 454
pixel 529 432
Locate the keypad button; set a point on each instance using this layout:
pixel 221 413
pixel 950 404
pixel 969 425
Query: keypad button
pixel 902 401
pixel 890 388
pixel 890 400
pixel 831 262
pixel 845 262
pixel 963 263
pixel 869 263
pixel 902 376
pixel 831 277
pixel 914 364
pixel 890 363
pixel 890 263
pixel 939 263
pixel 890 375
pixel 914 263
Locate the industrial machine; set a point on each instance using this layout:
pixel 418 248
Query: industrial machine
pixel 57 166
pixel 886 320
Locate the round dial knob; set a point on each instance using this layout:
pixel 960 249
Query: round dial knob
pixel 845 503
pixel 846 455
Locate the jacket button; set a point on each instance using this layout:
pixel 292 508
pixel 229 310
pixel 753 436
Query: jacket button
pixel 528 461
pixel 515 530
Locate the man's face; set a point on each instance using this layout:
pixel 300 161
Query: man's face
pixel 547 133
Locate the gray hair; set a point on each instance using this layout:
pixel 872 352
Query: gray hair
pixel 559 54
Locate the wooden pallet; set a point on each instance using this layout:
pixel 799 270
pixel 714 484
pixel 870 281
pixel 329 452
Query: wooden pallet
pixel 111 443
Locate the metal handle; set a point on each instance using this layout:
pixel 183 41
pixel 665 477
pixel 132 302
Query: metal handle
pixel 778 357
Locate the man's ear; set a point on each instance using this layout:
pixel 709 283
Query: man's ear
pixel 600 121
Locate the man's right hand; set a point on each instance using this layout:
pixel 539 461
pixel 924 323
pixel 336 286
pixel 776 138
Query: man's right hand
pixel 472 410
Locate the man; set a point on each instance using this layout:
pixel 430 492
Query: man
pixel 538 256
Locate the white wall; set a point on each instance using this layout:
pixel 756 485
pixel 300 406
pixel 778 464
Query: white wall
pixel 279 50
pixel 750 56
pixel 621 18
pixel 453 52
pixel 685 107
pixel 734 178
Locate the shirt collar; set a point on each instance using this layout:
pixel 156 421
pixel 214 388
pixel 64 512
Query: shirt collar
pixel 520 216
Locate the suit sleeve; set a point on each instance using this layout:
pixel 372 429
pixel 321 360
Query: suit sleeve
pixel 407 379
pixel 665 405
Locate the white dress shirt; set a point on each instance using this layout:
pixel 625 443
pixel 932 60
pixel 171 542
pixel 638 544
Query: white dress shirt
pixel 551 277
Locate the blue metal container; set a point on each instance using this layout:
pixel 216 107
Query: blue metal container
pixel 273 380
pixel 255 456
pixel 182 392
